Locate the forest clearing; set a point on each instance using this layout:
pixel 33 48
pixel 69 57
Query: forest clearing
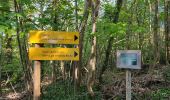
pixel 84 49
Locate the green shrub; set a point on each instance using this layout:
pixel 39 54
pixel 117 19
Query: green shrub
pixel 64 90
pixel 166 73
pixel 161 94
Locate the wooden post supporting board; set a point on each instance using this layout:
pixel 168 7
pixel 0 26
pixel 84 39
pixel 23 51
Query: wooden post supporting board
pixel 128 85
pixel 0 80
pixel 37 77
pixel 0 69
pixel 129 59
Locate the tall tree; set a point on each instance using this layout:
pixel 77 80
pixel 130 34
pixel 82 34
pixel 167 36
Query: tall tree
pixel 155 33
pixel 109 46
pixel 167 29
pixel 54 28
pixel 22 47
pixel 0 74
pixel 82 27
pixel 92 63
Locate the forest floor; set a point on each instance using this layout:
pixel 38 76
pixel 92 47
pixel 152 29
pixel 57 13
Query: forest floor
pixel 145 86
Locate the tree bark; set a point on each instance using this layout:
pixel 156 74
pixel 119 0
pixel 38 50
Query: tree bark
pixel 92 63
pixel 76 13
pixel 0 66
pixel 155 34
pixel 77 64
pixel 54 28
pixel 130 19
pixel 167 30
pixel 22 51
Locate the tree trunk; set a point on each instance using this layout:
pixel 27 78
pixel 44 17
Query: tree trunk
pixel 167 30
pixel 22 50
pixel 92 63
pixel 54 28
pixel 0 79
pixel 8 51
pixel 76 13
pixel 155 34
pixel 130 19
pixel 77 64
pixel 109 46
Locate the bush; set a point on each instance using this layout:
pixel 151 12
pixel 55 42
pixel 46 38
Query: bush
pixel 166 73
pixel 64 90
pixel 161 94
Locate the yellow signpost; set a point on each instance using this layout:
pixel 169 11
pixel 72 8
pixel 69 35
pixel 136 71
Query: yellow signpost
pixel 54 54
pixel 54 37
pixel 38 53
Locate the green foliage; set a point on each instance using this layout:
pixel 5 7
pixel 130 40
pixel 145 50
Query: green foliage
pixel 161 94
pixel 65 90
pixel 112 29
pixel 4 5
pixel 108 11
pixel 13 70
pixel 166 73
pixel 3 28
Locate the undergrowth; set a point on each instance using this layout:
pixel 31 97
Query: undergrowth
pixel 65 90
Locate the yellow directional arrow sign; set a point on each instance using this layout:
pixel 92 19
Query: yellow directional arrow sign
pixel 54 54
pixel 54 37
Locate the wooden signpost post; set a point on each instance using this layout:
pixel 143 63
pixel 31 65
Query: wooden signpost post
pixel 37 77
pixel 129 59
pixel 38 53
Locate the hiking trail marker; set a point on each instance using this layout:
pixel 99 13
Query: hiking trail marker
pixel 38 53
pixel 54 54
pixel 128 59
pixel 54 37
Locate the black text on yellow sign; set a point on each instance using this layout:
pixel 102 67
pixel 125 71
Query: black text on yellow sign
pixel 54 37
pixel 54 54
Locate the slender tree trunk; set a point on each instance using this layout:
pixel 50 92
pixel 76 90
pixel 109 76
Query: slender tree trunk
pixel 9 50
pixel 23 52
pixel 92 63
pixel 150 16
pixel 18 39
pixel 0 80
pixel 63 70
pixel 155 34
pixel 77 64
pixel 139 21
pixel 167 30
pixel 109 46
pixel 130 19
pixel 76 13
pixel 54 28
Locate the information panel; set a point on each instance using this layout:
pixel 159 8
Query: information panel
pixel 54 37
pixel 54 54
pixel 130 59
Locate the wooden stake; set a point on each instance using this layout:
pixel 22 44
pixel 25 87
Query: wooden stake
pixel 128 85
pixel 0 80
pixel 37 78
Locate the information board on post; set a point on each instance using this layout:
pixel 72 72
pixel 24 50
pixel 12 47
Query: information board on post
pixel 54 54
pixel 129 59
pixel 54 37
